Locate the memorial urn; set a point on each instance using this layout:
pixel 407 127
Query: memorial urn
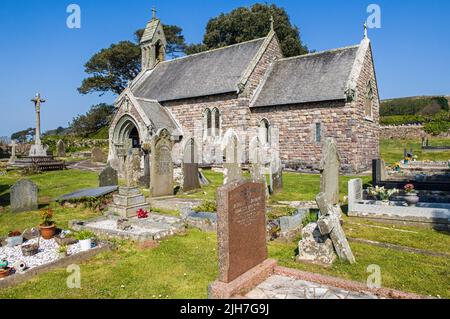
pixel 412 199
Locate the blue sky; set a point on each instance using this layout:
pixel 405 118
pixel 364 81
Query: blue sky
pixel 40 54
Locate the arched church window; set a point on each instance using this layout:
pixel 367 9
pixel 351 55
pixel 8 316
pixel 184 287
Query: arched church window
pixel 207 122
pixel 216 118
pixel 368 100
pixel 264 131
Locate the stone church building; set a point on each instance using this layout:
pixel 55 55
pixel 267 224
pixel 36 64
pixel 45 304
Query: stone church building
pixel 291 104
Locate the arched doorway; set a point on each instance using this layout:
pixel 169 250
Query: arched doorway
pixel 126 134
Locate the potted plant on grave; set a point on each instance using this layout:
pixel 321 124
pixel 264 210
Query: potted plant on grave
pixel 5 271
pixel 382 193
pixel 411 197
pixel 47 226
pixel 63 251
pixel 85 240
pixel 15 238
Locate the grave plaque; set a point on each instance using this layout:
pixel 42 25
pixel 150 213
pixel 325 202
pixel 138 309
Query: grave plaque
pixel 24 196
pixel 191 179
pixel 329 167
pixel 241 228
pixel 161 168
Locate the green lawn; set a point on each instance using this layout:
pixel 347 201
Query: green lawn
pixel 392 150
pixel 296 187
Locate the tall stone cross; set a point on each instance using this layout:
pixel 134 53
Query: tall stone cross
pixel 37 103
pixel 13 145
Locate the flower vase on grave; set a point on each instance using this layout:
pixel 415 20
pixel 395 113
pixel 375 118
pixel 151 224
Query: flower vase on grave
pixel 412 199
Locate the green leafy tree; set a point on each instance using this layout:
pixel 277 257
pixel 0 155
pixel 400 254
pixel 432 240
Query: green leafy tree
pixel 110 69
pixel 244 24
pixel 98 117
pixel 24 136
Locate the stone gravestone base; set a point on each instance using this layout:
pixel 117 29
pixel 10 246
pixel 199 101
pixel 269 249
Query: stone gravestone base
pixel 314 247
pixel 128 202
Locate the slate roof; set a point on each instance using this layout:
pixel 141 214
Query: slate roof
pixel 150 30
pixel 158 115
pixel 315 77
pixel 208 73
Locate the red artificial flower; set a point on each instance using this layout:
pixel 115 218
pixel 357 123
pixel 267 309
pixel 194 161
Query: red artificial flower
pixel 142 214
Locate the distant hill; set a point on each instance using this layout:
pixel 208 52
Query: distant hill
pixel 417 105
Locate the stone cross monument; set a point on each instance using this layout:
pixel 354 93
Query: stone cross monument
pixel 13 157
pixel 38 149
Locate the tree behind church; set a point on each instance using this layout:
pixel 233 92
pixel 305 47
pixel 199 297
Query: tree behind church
pixel 112 68
pixel 248 23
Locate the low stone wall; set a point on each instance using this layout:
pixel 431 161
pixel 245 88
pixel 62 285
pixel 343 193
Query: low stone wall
pixel 406 132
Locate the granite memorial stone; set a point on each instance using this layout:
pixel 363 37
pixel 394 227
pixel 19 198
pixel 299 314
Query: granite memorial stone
pixel 191 179
pixel 108 177
pixel 241 228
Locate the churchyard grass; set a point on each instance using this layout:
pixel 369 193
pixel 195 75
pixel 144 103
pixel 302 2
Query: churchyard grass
pixel 392 150
pixel 132 272
pixel 297 187
pixel 51 185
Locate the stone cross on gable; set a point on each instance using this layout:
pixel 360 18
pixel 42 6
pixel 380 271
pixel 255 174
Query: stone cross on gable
pixel 365 30
pixel 37 103
pixel 154 13
pixel 271 23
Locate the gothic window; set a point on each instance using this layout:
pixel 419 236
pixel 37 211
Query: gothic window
pixel 207 122
pixel 368 100
pixel 216 118
pixel 318 133
pixel 159 52
pixel 264 131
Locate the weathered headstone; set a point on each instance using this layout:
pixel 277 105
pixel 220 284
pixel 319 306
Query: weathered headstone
pixel 383 170
pixel 98 156
pixel 191 179
pixel 256 167
pixel 314 247
pixel 241 228
pixel 276 175
pixel 133 168
pixel 355 193
pixel 161 168
pixel 61 149
pixel 232 169
pixel 13 157
pixel 329 224
pixel 24 196
pixel 108 177
pixel 329 167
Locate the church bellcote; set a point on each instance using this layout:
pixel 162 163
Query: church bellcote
pixel 153 43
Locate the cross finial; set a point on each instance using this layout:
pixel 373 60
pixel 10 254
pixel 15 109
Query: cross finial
pixel 365 30
pixel 271 23
pixel 153 13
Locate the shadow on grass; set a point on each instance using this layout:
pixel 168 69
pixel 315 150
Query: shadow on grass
pixel 4 198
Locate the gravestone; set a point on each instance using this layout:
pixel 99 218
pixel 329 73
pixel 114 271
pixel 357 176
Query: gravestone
pixel 241 228
pixel 383 170
pixel 276 175
pixel 191 178
pixel 314 247
pixel 329 168
pixel 161 168
pixel 60 149
pixel 13 157
pixel 329 224
pixel 256 167
pixel 108 177
pixel 24 196
pixel 355 193
pixel 133 168
pixel 98 156
pixel 232 170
